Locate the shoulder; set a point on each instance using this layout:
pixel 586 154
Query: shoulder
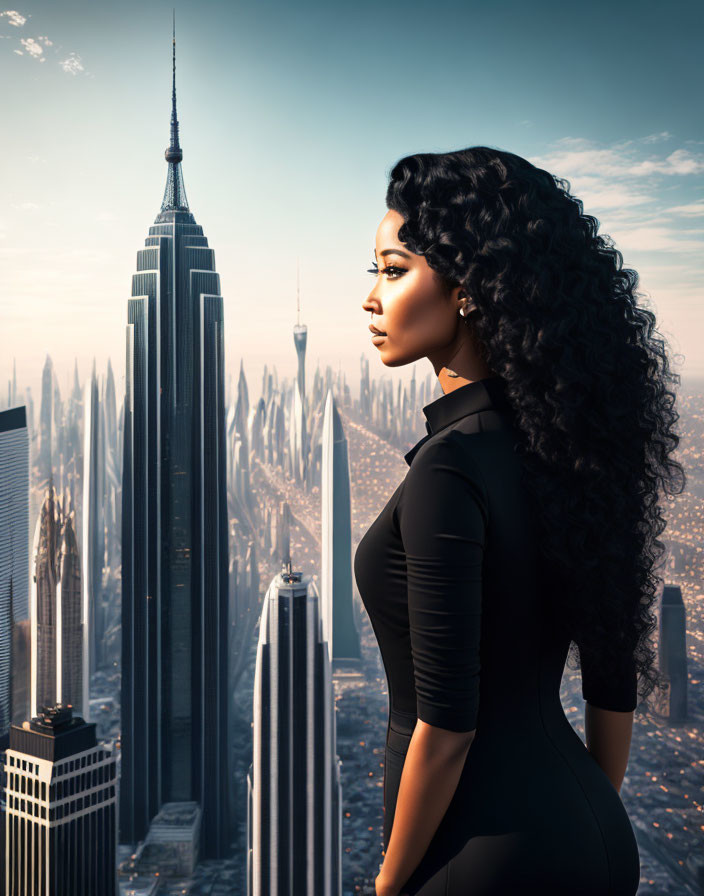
pixel 444 465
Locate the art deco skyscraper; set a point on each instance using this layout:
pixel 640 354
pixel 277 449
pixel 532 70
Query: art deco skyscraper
pixel 174 527
pixel 56 612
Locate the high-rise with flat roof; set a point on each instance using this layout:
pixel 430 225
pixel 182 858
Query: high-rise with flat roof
pixel 61 824
pixel 14 552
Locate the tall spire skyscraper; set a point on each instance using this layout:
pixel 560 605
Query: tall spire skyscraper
pixel 174 527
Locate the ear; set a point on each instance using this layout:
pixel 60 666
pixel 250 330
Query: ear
pixel 457 295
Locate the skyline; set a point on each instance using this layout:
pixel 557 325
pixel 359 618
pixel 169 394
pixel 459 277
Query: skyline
pixel 85 159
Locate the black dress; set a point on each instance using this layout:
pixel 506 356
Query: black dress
pixel 450 577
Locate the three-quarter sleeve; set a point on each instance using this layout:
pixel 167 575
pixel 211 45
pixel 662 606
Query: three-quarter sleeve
pixel 609 690
pixel 443 521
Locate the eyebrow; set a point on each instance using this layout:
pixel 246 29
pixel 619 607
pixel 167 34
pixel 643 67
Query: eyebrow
pixel 393 252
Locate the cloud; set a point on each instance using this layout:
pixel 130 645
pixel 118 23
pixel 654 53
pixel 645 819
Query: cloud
pixel 577 156
pixel 629 185
pixel 657 239
pixel 35 47
pixel 690 209
pixel 31 46
pixel 654 138
pixel 14 18
pixel 621 196
pixel 72 64
pixel 681 161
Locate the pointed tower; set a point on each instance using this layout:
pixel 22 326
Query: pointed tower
pixel 339 628
pixel 174 527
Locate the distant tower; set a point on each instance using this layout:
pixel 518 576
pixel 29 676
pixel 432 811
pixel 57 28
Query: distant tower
pixel 93 524
pixel 673 650
pixel 339 628
pixel 61 808
pixel 294 804
pixel 56 611
pixel 43 602
pixel 45 459
pixel 300 338
pixel 14 556
pixel 175 628
pixel 71 680
pixel 297 436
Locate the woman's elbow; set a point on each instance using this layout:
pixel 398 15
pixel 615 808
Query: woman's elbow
pixel 444 740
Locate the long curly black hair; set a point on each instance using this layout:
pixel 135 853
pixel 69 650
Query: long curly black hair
pixel 586 373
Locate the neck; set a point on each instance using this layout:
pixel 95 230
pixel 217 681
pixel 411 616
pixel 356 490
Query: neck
pixel 461 364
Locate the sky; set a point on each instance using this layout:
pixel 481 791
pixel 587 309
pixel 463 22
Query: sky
pixel 291 118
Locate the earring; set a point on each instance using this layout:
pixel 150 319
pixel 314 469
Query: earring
pixel 465 310
pixel 466 307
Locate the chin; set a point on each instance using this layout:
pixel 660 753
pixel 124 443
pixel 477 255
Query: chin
pixel 394 361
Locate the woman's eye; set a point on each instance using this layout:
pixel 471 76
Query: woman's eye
pixel 390 270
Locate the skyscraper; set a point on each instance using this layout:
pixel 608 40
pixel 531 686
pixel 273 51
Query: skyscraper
pixel 300 338
pixel 174 527
pixel 93 524
pixel 293 787
pixel 57 630
pixel 61 820
pixel 339 629
pixel 14 550
pixel 673 651
pixel 46 459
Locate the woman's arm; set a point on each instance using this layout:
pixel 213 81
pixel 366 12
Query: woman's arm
pixel 608 734
pixel 432 769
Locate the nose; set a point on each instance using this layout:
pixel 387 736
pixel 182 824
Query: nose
pixel 371 304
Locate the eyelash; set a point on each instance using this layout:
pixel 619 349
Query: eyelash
pixel 391 267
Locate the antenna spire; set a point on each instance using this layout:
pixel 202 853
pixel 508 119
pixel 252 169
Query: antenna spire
pixel 173 153
pixel 298 295
pixel 175 192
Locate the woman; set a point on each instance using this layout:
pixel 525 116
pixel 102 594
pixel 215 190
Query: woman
pixel 527 524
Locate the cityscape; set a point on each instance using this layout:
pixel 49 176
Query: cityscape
pixel 192 700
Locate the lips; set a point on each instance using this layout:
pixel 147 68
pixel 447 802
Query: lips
pixel 376 332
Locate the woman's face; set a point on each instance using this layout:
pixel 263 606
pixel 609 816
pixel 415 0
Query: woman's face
pixel 411 306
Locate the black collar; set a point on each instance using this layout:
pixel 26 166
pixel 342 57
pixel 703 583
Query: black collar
pixel 480 395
